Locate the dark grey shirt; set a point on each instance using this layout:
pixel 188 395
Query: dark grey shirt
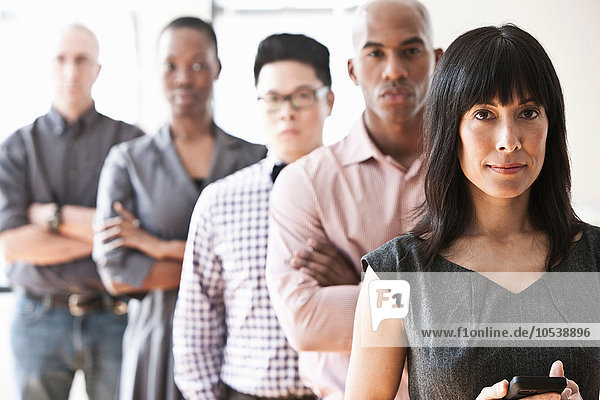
pixel 461 372
pixel 50 161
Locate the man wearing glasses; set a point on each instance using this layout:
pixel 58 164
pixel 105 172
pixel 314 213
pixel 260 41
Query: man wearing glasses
pixel 227 340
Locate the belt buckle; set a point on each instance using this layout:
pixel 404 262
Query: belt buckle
pixel 119 307
pixel 75 308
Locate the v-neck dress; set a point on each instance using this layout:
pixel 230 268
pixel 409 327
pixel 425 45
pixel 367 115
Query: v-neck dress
pixel 451 294
pixel 147 176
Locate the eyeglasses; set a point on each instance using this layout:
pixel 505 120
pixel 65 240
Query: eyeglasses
pixel 298 99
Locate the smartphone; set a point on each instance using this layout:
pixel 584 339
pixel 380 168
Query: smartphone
pixel 523 386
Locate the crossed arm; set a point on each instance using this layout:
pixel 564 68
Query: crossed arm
pixel 130 259
pixel 34 243
pixel 124 231
pixel 315 312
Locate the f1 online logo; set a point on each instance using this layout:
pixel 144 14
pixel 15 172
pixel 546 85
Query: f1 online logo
pixel 388 299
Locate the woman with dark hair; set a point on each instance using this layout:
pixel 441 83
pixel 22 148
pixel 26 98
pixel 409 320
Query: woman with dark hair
pixel 147 191
pixel 497 217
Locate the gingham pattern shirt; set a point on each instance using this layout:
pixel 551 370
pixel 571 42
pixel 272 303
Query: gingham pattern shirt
pixel 225 330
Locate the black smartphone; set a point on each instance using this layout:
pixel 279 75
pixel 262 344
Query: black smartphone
pixel 523 386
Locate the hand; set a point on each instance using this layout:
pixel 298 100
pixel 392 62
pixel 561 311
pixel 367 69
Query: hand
pixel 325 264
pixel 125 231
pixel 571 392
pixel 39 214
pixel 500 389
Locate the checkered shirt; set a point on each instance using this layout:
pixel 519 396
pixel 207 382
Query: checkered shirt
pixel 225 330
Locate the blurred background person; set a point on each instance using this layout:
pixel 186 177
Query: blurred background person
pixel 147 192
pixel 64 319
pixel 227 340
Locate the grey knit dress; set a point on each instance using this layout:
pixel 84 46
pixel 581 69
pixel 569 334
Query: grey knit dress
pixel 461 371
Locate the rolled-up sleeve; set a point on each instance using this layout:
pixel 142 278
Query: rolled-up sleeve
pixel 199 326
pixel 313 318
pixel 123 265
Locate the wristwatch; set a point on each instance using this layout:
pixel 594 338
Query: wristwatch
pixel 55 219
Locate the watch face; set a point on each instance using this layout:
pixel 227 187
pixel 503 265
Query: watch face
pixel 55 220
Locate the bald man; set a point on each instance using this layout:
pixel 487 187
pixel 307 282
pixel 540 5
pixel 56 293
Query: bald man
pixel 352 196
pixel 64 318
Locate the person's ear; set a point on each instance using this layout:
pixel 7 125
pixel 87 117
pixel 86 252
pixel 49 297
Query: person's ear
pixel 438 54
pixel 218 72
pixel 330 100
pixel 351 72
pixel 98 68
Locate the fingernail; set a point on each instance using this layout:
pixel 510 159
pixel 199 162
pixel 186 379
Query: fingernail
pixel 498 387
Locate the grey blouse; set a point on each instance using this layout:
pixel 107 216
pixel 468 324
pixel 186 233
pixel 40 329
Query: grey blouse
pixel 460 372
pixel 148 178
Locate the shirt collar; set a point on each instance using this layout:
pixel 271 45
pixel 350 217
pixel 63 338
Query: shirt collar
pixel 59 124
pixel 270 161
pixel 360 147
pixel 164 140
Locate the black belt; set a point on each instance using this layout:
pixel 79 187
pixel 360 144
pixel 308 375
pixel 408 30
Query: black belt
pixel 232 394
pixel 79 305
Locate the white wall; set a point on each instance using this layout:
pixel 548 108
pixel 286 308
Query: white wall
pixel 570 33
pixel 128 87
pixel 568 30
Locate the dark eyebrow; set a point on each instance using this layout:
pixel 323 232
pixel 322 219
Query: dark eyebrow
pixel 372 44
pixel 301 87
pixel 412 40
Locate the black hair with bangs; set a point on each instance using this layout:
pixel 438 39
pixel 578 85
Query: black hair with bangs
pixel 479 66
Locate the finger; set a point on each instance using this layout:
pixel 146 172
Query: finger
pixel 544 396
pixel 119 209
pixel 305 257
pixel 321 247
pixel 310 265
pixel 573 386
pixel 566 394
pixel 497 391
pixel 314 275
pixel 557 369
pixel 107 224
pixel 115 244
pixel 333 269
pixel 109 234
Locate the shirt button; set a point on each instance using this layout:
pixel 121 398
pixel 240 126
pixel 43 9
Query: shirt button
pixel 72 175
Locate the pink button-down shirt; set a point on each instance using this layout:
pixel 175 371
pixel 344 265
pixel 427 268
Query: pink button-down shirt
pixel 354 197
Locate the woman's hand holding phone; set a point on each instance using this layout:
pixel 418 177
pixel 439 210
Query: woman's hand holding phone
pixel 500 389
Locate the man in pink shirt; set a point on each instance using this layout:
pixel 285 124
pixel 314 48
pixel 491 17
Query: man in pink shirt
pixel 353 196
